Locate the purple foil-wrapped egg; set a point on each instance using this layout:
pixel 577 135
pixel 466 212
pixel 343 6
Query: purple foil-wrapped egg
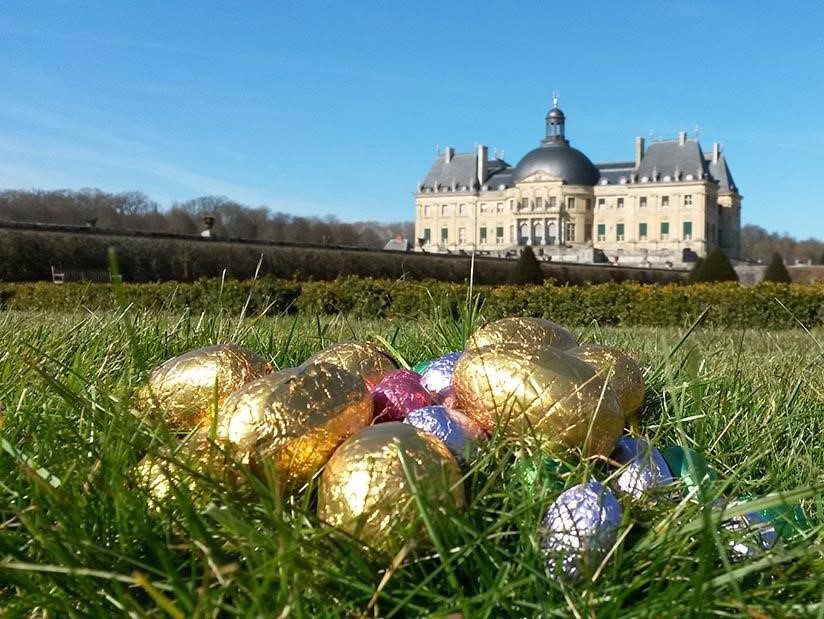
pixel 458 432
pixel 397 394
pixel 645 467
pixel 579 528
pixel 438 376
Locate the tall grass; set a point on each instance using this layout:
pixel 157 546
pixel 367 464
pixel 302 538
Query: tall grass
pixel 78 536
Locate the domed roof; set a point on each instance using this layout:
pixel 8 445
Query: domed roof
pixel 555 114
pixel 561 160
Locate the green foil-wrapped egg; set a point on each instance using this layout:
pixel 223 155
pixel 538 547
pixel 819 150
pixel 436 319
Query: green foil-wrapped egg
pixel 294 419
pixel 541 393
pixel 529 332
pixel 368 486
pixel 363 359
pixel 623 373
pixel 184 390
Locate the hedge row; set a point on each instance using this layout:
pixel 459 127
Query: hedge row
pixel 28 254
pixel 771 306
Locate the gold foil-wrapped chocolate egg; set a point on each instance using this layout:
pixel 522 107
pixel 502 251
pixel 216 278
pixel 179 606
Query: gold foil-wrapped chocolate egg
pixel 182 469
pixel 541 393
pixel 363 359
pixel 365 490
pixel 529 332
pixel 294 419
pixel 621 370
pixel 183 390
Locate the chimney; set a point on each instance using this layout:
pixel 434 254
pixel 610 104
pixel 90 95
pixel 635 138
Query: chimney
pixel 716 151
pixel 481 159
pixel 449 154
pixel 639 151
pixel 682 138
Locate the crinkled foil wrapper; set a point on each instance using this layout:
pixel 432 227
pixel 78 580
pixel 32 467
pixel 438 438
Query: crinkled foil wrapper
pixel 625 378
pixel 542 393
pixel 294 419
pixel 399 393
pixel 365 491
pixel 579 528
pixel 645 468
pixel 184 390
pixel 176 470
pixel 530 332
pixel 458 432
pixel 363 359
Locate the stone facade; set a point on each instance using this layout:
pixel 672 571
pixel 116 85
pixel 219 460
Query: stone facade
pixel 671 204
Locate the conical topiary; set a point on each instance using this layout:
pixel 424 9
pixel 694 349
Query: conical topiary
pixel 776 271
pixel 527 269
pixel 715 267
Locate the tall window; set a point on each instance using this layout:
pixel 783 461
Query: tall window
pixel 587 234
pixel 525 204
pixel 664 201
pixel 589 204
pixel 664 230
pixel 642 231
pixel 539 203
pixel 569 233
pixel 427 236
pixel 462 209
pixel 642 201
pixel 444 235
pixel 688 200
pixel 601 202
pixel 512 206
pixel 461 235
pixel 687 231
pixel 619 232
pixel 482 234
pixel 499 234
pixel 570 203
pixel 499 207
pixel 483 207
pixel 553 202
pixel 602 232
pixel 620 203
pixel 444 209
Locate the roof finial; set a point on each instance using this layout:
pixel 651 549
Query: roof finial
pixel 554 98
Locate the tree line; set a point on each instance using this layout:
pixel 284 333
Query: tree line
pixel 134 210
pixel 759 245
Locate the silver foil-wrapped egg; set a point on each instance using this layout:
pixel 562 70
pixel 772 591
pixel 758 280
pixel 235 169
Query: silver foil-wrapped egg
pixel 579 528
pixel 457 431
pixel 750 535
pixel 437 377
pixel 645 468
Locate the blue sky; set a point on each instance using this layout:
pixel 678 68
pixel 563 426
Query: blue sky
pixel 336 108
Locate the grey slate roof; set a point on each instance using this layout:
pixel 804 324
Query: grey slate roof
pixel 720 171
pixel 661 159
pixel 614 172
pixel 669 158
pixel 460 171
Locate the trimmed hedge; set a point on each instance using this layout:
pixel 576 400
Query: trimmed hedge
pixel 626 303
pixel 28 251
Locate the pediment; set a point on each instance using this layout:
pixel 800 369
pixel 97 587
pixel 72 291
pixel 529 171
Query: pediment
pixel 541 177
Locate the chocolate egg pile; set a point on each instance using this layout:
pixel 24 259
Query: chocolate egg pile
pixel 380 440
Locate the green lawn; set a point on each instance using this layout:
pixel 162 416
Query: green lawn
pixel 77 537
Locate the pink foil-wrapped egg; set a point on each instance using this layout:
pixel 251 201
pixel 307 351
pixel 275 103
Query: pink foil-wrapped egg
pixel 397 394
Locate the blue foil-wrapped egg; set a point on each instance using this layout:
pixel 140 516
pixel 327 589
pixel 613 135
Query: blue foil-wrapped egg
pixel 644 470
pixel 579 528
pixel 438 376
pixel 457 431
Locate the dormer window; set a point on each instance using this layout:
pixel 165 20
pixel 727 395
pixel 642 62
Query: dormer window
pixel 645 179
pixel 603 181
pixel 667 178
pixel 690 177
